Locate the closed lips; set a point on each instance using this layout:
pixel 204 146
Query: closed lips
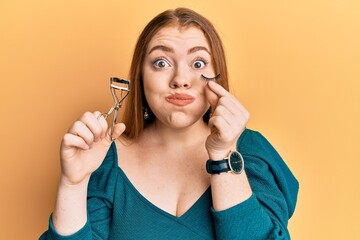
pixel 180 99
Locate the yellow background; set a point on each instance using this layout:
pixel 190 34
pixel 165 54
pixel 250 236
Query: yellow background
pixel 294 64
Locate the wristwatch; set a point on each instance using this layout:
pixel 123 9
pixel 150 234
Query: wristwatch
pixel 234 163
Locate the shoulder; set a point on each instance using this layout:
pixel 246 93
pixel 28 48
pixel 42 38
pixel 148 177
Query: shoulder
pixel 253 145
pixel 253 142
pixel 110 161
pixel 268 173
pixel 103 180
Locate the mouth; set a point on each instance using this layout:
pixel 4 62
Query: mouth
pixel 180 99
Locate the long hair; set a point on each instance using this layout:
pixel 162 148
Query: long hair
pixel 136 102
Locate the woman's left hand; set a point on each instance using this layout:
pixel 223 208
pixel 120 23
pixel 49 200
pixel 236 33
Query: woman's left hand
pixel 227 122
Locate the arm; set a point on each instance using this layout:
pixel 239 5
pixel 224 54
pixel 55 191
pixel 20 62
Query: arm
pixel 100 197
pixel 266 213
pixel 83 149
pixel 227 122
pixel 70 213
pixel 241 211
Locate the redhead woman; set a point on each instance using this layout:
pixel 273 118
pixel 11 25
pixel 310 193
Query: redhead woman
pixel 181 164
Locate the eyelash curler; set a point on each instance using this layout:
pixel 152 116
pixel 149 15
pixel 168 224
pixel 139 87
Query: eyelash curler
pixel 124 87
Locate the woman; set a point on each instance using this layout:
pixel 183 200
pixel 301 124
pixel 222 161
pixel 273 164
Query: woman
pixel 167 175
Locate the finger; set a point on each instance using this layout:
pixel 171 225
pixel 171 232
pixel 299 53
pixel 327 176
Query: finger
pixel 237 122
pixel 119 128
pixel 103 123
pixel 93 124
pixel 215 93
pixel 222 129
pixel 226 103
pixel 223 112
pixel 232 104
pixel 81 130
pixel 211 97
pixel 70 140
pixel 217 89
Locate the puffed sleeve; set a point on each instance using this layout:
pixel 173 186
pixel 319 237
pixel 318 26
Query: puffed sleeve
pixel 266 213
pixel 101 190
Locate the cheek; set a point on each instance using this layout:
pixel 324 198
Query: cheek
pixel 148 90
pixel 156 82
pixel 148 82
pixel 153 90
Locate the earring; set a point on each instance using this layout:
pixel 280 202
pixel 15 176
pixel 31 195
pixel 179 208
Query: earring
pixel 146 113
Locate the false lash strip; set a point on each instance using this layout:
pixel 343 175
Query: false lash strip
pixel 211 79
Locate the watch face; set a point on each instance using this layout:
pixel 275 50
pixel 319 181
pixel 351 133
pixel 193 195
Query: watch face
pixel 236 162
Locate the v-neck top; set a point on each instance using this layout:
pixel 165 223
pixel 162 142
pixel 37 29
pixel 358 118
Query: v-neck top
pixel 117 210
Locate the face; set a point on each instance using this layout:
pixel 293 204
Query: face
pixel 174 62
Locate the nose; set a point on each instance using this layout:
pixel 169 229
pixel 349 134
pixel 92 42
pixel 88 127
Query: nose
pixel 181 79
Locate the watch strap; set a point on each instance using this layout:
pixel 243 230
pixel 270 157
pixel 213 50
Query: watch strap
pixel 217 167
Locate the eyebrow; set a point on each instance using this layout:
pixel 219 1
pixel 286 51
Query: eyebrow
pixel 199 48
pixel 168 49
pixel 161 47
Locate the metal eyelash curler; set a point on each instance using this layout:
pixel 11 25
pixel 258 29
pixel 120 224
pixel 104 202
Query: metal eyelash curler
pixel 124 87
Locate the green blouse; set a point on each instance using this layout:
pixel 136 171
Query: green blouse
pixel 116 210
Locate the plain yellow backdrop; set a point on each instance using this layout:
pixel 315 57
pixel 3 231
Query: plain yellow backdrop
pixel 295 65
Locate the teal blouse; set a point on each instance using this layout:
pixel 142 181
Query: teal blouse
pixel 116 210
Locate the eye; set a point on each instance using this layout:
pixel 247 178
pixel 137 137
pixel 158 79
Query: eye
pixel 161 63
pixel 199 64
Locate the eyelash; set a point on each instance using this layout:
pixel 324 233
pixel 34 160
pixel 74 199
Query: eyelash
pixel 207 79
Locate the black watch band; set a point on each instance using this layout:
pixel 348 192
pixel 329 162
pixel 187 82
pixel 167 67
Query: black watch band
pixel 217 167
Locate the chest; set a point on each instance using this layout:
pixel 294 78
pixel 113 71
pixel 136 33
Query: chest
pixel 135 217
pixel 173 181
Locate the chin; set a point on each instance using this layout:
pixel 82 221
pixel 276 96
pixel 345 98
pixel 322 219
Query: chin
pixel 183 120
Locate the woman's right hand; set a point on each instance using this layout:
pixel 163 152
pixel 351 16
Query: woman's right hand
pixel 84 147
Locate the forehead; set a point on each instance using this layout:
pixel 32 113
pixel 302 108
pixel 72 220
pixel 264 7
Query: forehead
pixel 184 37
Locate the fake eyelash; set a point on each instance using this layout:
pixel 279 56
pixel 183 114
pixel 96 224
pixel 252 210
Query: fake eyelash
pixel 211 79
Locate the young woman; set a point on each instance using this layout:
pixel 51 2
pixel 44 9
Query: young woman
pixel 185 166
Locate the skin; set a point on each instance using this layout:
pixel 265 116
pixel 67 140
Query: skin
pixel 166 164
